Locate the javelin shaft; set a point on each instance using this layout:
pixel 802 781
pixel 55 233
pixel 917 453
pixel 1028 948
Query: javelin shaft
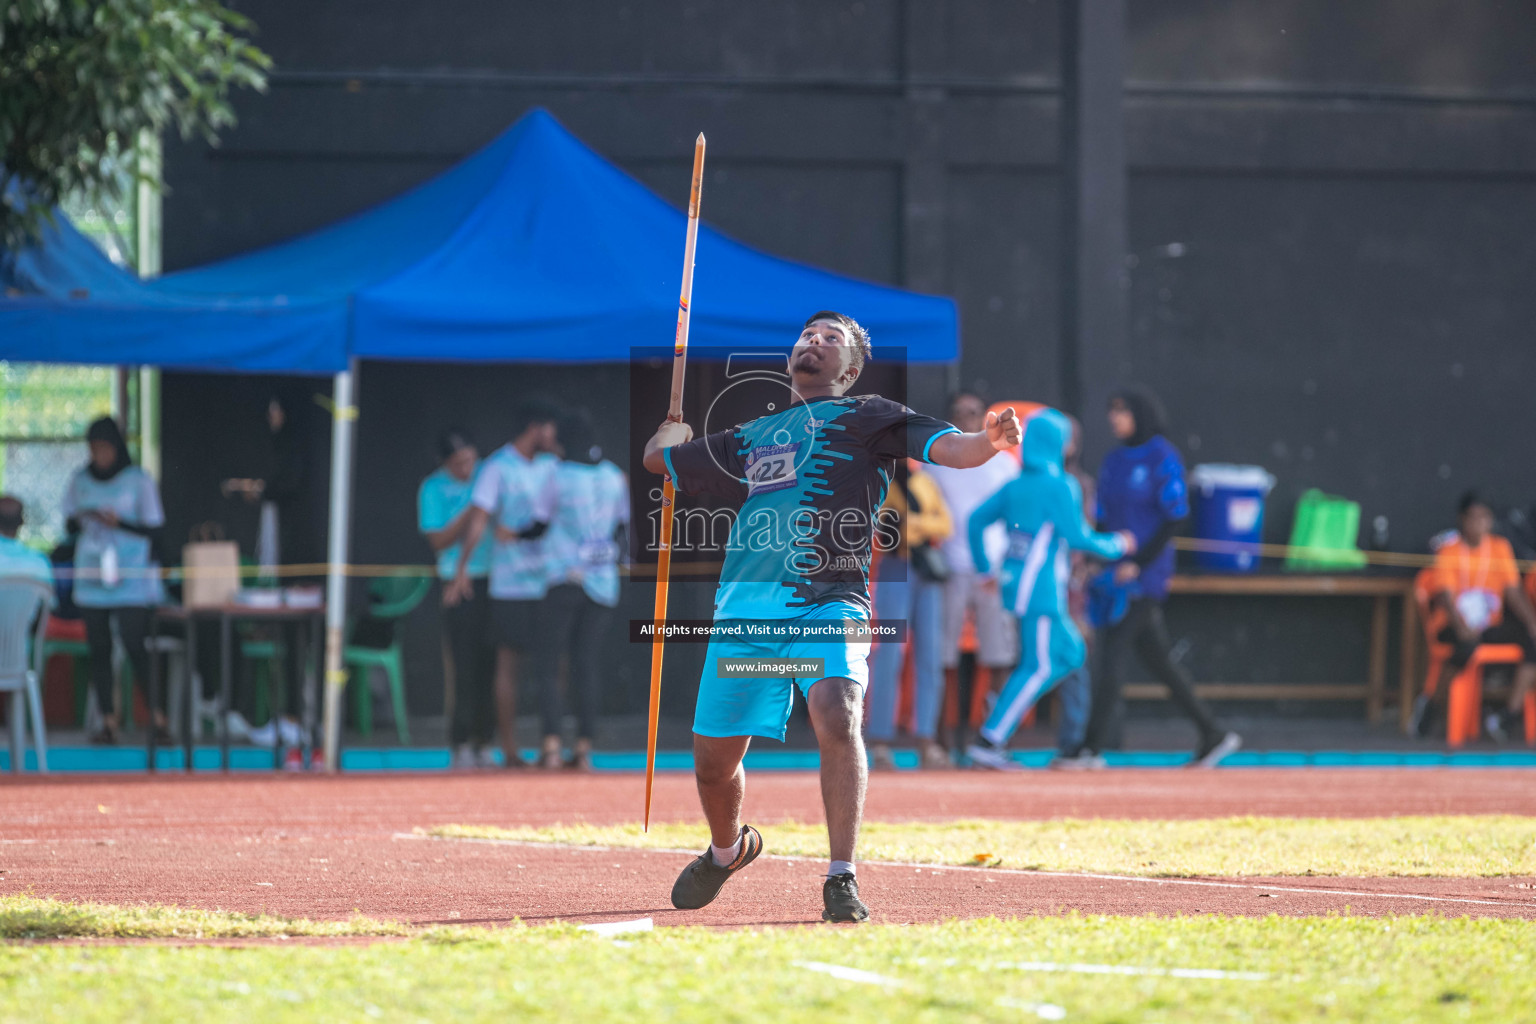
pixel 668 496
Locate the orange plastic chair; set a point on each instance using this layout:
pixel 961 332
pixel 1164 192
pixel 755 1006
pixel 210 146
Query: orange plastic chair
pixel 1530 698
pixel 1530 719
pixel 1434 620
pixel 1464 704
pixel 1464 711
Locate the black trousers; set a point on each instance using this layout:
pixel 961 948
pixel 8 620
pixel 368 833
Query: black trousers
pixel 573 629
pixel 1507 631
pixel 1144 632
pixel 466 625
pixel 133 627
pixel 207 652
pixel 295 648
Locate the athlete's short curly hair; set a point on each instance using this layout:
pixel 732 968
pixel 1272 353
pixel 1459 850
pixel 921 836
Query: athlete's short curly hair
pixel 857 335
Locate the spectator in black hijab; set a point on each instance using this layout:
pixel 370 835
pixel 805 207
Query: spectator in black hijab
pixel 1142 489
pixel 285 496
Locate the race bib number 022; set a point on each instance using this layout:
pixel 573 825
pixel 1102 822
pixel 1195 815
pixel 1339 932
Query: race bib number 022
pixel 771 468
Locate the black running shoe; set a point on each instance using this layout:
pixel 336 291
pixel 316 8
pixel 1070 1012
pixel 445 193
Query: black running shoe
pixel 1423 716
pixel 1216 748
pixel 702 879
pixel 840 894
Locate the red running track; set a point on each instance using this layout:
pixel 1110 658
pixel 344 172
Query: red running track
pixel 329 847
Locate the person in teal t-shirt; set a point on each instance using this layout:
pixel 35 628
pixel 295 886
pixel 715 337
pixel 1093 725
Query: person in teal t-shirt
pixel 442 515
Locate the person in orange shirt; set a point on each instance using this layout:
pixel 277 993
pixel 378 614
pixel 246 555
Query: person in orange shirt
pixel 1478 586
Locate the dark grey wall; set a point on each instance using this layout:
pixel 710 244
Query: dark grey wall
pixel 1331 205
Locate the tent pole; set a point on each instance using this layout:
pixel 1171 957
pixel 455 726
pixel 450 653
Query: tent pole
pixel 343 428
pixel 148 216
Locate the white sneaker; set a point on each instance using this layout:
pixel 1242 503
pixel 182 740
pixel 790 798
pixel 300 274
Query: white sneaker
pixel 1086 761
pixel 464 759
pixel 880 758
pixel 292 733
pixel 485 757
pixel 266 735
pixel 935 757
pixel 205 713
pixel 1229 744
pixel 262 735
pixel 985 755
pixel 239 728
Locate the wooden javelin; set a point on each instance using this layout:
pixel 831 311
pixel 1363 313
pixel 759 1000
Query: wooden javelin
pixel 675 414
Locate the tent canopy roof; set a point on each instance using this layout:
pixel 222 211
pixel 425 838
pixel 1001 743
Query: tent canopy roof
pixel 533 249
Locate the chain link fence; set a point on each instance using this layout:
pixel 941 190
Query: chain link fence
pixel 36 472
pixel 44 413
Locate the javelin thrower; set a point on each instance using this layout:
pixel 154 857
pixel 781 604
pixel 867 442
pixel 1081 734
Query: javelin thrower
pixel 809 479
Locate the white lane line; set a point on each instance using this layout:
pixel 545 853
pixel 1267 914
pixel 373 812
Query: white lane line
pixel 564 846
pixel 1132 970
pixel 610 928
pixel 853 974
pixel 1265 888
pixel 61 839
pixel 1045 1011
pixel 999 871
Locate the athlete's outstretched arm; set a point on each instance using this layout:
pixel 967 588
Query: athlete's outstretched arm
pixel 965 451
pixel 668 435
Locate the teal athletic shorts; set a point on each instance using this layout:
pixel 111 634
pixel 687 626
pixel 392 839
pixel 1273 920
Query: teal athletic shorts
pixel 760 706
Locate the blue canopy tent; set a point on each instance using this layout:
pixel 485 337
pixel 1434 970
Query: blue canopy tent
pixel 63 301
pixel 536 249
pixel 533 249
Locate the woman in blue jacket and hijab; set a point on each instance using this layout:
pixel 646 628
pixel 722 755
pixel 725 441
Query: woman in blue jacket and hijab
pixel 1142 490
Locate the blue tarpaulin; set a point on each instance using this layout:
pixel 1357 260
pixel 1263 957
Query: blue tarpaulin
pixel 63 301
pixel 534 249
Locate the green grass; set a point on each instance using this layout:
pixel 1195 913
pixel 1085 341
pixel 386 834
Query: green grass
pixel 1360 969
pixel 29 917
pixel 1464 846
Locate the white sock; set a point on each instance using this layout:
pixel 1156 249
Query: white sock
pixel 725 854
pixel 840 867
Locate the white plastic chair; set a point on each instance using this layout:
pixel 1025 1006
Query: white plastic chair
pixel 23 620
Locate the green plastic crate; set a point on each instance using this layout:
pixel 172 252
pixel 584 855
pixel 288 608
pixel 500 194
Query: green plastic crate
pixel 1325 534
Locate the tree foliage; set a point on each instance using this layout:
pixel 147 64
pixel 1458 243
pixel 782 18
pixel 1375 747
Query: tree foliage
pixel 81 79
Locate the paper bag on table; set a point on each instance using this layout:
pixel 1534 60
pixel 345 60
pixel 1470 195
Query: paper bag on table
pixel 212 573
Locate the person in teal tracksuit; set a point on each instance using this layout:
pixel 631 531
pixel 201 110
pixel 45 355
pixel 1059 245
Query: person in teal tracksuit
pixel 1043 509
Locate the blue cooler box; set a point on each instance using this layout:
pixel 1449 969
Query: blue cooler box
pixel 1229 508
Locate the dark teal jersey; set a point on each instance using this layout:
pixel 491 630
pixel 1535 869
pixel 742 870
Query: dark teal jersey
pixel 810 480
